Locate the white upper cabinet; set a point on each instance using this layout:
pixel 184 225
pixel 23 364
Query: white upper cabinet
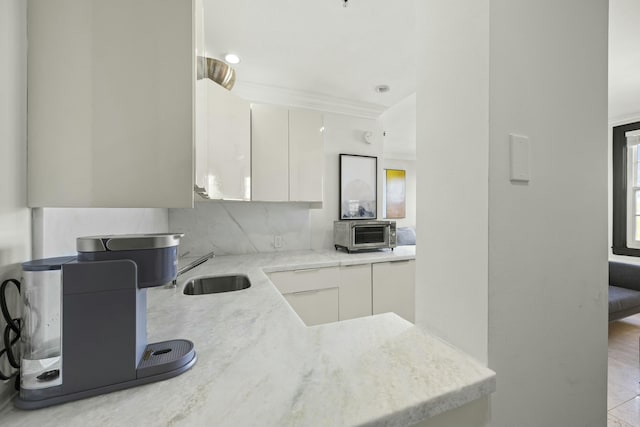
pixel 229 144
pixel 202 137
pixel 201 105
pixel 306 156
pixel 111 103
pixel 269 153
pixel 287 154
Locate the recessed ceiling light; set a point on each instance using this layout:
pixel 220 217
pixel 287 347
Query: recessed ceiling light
pixel 232 58
pixel 382 89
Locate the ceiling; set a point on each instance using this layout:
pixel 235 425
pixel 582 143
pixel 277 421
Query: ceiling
pixel 318 47
pixel 624 58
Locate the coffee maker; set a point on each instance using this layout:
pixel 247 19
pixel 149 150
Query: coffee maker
pixel 84 328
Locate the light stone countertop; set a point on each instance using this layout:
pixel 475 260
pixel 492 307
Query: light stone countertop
pixel 259 365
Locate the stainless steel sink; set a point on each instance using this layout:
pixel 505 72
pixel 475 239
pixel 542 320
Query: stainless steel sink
pixel 216 284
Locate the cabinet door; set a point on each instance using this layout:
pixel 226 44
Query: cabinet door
pixel 111 103
pixel 202 137
pixel 394 288
pixel 315 307
pixel 201 106
pixel 306 279
pixel 269 153
pixel 229 123
pixel 355 291
pixel 306 156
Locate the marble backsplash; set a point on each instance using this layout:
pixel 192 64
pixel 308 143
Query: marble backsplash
pixel 55 229
pixel 230 228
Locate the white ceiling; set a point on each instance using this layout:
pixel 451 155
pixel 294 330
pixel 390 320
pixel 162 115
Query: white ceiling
pixel 319 47
pixel 624 58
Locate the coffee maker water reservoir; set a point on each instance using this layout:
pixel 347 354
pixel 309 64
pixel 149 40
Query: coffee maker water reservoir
pixel 41 343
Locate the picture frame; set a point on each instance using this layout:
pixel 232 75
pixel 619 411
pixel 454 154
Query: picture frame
pixel 358 187
pixel 394 204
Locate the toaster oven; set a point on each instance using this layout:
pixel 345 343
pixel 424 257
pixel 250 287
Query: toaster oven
pixel 355 235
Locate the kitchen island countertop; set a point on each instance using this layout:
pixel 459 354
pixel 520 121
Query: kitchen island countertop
pixel 259 365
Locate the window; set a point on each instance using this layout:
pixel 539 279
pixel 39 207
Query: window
pixel 633 191
pixel 626 189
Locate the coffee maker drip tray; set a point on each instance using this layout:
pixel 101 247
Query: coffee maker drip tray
pixel 166 356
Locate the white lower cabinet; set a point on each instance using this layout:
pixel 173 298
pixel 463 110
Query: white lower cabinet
pixel 312 293
pixel 355 291
pixel 330 294
pixel 393 288
pixel 315 307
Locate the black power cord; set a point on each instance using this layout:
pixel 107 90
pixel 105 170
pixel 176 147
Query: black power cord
pixel 13 326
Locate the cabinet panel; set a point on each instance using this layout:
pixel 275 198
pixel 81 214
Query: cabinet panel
pixel 229 145
pixel 394 288
pixel 306 279
pixel 201 136
pixel 269 153
pixel 59 126
pixel 306 156
pixel 315 307
pixel 355 291
pixel 106 127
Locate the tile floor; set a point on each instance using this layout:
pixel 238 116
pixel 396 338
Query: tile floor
pixel 623 389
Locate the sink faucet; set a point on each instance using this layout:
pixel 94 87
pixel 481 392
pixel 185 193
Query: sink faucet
pixel 192 265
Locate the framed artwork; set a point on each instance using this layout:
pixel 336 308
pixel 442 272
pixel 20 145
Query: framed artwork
pixel 358 186
pixel 394 193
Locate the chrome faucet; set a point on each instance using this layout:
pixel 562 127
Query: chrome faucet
pixel 192 265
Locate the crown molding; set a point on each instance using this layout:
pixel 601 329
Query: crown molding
pixel 624 119
pixel 266 94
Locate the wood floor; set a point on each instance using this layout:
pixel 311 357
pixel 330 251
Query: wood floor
pixel 623 389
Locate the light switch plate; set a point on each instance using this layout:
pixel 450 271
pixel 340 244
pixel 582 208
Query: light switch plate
pixel 519 168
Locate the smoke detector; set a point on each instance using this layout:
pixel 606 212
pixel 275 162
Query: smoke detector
pixel 368 137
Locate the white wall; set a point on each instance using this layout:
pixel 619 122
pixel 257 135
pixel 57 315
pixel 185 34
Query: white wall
pixel 409 166
pixel 15 237
pixel 547 242
pixel 624 85
pixel 399 124
pixel 452 152
pixel 55 229
pixel 342 135
pixel 547 276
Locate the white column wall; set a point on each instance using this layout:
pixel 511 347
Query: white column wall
pixel 537 68
pixel 452 172
pixel 548 239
